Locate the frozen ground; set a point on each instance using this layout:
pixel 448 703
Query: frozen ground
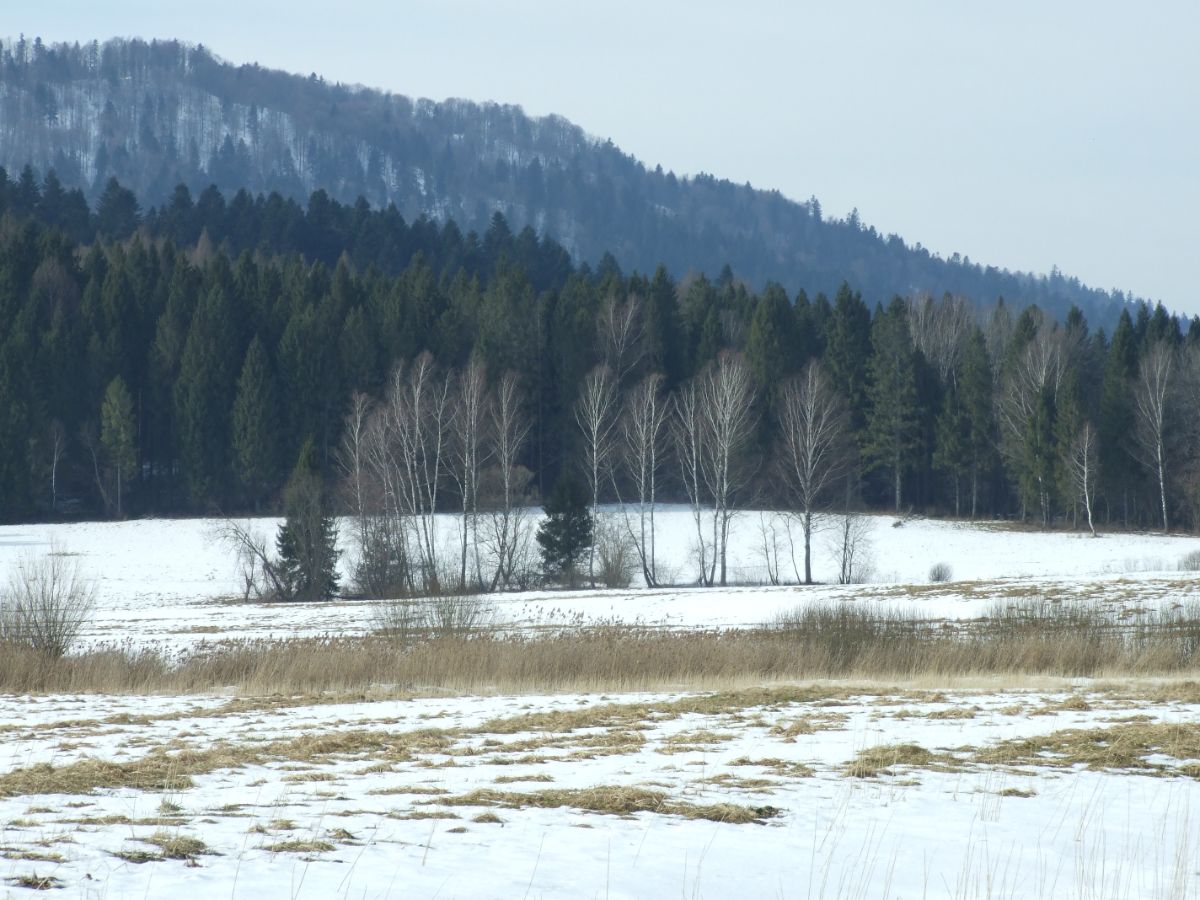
pixel 169 582
pixel 789 792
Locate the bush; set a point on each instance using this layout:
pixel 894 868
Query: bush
pixel 1190 562
pixel 615 554
pixel 448 616
pixel 402 621
pixel 46 603
pixel 940 572
pixel 458 615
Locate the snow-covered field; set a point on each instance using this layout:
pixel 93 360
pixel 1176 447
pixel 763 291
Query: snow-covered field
pixel 1043 789
pixel 168 582
pixel 747 794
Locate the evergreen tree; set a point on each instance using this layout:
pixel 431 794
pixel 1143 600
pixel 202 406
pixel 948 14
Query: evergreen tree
pixel 663 334
pixel 1118 469
pixel 118 435
pixel 207 376
pixel 256 425
pixel 892 393
pixel 952 450
pixel 566 533
pixel 975 390
pixel 307 540
pixel 848 347
pixel 771 347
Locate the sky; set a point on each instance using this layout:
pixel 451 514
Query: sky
pixel 1024 134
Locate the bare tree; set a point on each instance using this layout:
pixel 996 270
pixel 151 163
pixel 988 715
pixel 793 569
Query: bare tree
pixel 46 602
pixel 509 431
pixel 1084 468
pixel 940 331
pixel 468 456
pixel 1030 383
pixel 619 330
pixel 596 416
pixel 852 548
pixel 418 413
pixel 262 575
pixel 728 394
pixel 352 460
pixel 56 448
pixel 643 427
pixel 688 427
pixel 1151 401
pixel 812 419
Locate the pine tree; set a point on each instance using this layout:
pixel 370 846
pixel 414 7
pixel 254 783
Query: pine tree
pixel 566 533
pixel 307 540
pixel 118 434
pixel 256 426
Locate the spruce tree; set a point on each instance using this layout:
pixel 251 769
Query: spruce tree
pixel 256 426
pixel 891 432
pixel 1118 469
pixel 848 347
pixel 771 347
pixel 566 533
pixel 207 376
pixel 975 389
pixel 307 540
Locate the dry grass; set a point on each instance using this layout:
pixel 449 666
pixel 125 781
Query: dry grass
pixel 1122 747
pixel 177 846
pixel 299 846
pixel 848 640
pixel 615 800
pixel 881 760
pixel 34 882
pixel 161 770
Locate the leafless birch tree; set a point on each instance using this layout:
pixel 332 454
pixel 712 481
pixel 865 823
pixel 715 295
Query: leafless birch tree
pixel 713 422
pixel 509 429
pixel 643 427
pixel 940 331
pixel 469 453
pixel 691 448
pixel 1152 399
pixel 728 398
pixel 1033 379
pixel 812 419
pixel 619 330
pixel 596 416
pixel 1084 468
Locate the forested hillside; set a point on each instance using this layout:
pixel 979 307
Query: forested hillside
pixel 155 115
pixel 153 366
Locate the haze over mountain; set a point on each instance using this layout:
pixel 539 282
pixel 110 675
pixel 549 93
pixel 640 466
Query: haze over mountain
pixel 157 114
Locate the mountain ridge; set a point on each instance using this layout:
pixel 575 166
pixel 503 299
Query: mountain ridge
pixel 155 114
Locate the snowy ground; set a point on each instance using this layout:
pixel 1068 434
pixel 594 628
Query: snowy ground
pixel 169 582
pixel 1042 790
pixel 747 794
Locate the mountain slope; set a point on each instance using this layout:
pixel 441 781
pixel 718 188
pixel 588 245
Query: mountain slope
pixel 157 114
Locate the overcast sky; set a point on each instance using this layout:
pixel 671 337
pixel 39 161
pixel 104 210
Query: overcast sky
pixel 1025 134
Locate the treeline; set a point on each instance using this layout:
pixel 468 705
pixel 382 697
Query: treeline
pixel 140 376
pixel 162 113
